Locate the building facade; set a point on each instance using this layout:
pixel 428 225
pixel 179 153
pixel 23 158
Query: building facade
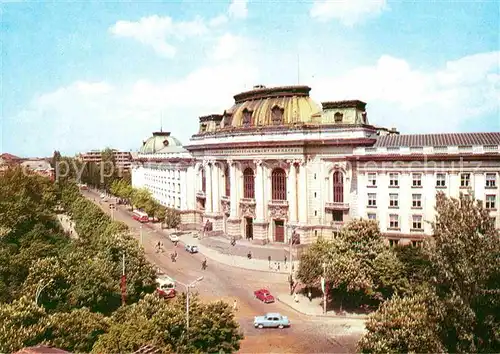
pixel 277 164
pixel 123 159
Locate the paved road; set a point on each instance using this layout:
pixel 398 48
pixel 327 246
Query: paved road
pixel 307 334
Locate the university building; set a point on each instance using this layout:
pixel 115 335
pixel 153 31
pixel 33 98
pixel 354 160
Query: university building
pixel 123 159
pixel 278 164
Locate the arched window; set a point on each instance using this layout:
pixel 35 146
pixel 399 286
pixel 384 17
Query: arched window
pixel 338 187
pixel 247 117
pixel 228 182
pixel 338 117
pixel 278 183
pixel 203 181
pixel 277 115
pixel 248 183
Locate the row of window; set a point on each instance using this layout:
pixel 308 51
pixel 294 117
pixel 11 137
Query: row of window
pixel 394 224
pixel 417 200
pixel 164 174
pixel 465 180
pixel 171 188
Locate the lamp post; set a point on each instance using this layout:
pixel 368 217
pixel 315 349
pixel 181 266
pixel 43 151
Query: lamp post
pixel 40 288
pixel 187 286
pixel 323 287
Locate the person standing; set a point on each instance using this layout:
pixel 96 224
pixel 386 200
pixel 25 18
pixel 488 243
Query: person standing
pixel 309 295
pixel 285 259
pixel 235 306
pixel 269 260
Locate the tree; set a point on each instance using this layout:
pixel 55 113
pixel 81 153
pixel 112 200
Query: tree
pixel 153 321
pixel 172 218
pixel 21 325
pixel 75 331
pixel 464 254
pixel 140 197
pixel 404 325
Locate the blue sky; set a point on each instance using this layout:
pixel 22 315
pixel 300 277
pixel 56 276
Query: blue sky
pixel 79 76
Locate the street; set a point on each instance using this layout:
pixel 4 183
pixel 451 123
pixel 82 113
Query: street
pixel 220 282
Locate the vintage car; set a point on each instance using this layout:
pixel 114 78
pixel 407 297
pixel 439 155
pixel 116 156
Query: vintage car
pixel 191 248
pixel 174 237
pixel 165 286
pixel 264 295
pixel 271 320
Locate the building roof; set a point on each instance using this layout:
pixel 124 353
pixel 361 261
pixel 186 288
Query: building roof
pixel 161 142
pixel 453 139
pixel 7 156
pixel 261 103
pixel 41 349
pixel 37 164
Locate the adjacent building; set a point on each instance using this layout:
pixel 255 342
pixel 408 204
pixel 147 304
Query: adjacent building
pixel 278 164
pixel 122 159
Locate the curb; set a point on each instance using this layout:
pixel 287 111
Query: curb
pixel 364 318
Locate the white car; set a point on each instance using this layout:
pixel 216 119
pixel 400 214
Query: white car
pixel 174 237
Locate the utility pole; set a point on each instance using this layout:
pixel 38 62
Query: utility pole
pixel 188 286
pixel 323 287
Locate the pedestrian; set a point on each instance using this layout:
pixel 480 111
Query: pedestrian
pixel 161 247
pixel 309 295
pixel 269 259
pixel 278 266
pixel 249 255
pixel 158 245
pixel 204 264
pixel 296 298
pixel 235 306
pixel 285 259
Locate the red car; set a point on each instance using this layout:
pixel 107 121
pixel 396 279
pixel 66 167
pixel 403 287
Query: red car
pixel 264 296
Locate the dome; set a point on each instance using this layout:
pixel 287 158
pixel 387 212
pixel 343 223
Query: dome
pixel 272 106
pixel 161 142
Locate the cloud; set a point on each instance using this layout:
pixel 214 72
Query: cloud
pixel 228 45
pixel 88 115
pixel 348 12
pixel 218 21
pixel 417 101
pixel 238 9
pixel 159 32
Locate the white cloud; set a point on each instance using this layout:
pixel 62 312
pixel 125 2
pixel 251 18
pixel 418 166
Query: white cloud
pixel 158 32
pixel 228 45
pixel 238 9
pixel 218 21
pixel 418 101
pixel 348 12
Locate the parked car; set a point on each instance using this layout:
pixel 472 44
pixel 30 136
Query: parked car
pixel 271 320
pixel 165 287
pixel 174 237
pixel 264 295
pixel 191 248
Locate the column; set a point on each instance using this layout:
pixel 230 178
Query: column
pixel 215 187
pixel 292 195
pixel 303 200
pixel 208 183
pixel 233 180
pixel 259 191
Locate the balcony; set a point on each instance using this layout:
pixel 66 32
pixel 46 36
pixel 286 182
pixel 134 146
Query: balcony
pixel 336 206
pixel 200 195
pixel 247 201
pixel 276 202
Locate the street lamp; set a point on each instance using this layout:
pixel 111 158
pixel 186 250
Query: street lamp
pixel 40 288
pixel 187 286
pixel 323 287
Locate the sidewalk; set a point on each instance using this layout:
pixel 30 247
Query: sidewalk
pixel 313 307
pixel 67 225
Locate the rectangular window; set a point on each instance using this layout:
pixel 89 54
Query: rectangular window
pixel 372 200
pixel 417 180
pixel 338 215
pixel 393 180
pixel 416 200
pixel 440 180
pixel 393 200
pixel 372 179
pixel 393 221
pixel 465 180
pixel 393 243
pixel 372 216
pixel 490 201
pixel 491 180
pixel 417 222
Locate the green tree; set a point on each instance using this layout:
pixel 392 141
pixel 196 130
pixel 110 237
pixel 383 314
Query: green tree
pixel 21 325
pixel 153 321
pixel 404 325
pixel 172 218
pixel 75 331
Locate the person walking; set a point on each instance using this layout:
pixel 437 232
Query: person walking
pixel 296 298
pixel 249 255
pixel 285 259
pixel 161 247
pixel 269 260
pixel 235 306
pixel 309 295
pixel 158 245
pixel 204 264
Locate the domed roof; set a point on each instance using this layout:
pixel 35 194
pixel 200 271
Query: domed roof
pixel 160 142
pixel 272 106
